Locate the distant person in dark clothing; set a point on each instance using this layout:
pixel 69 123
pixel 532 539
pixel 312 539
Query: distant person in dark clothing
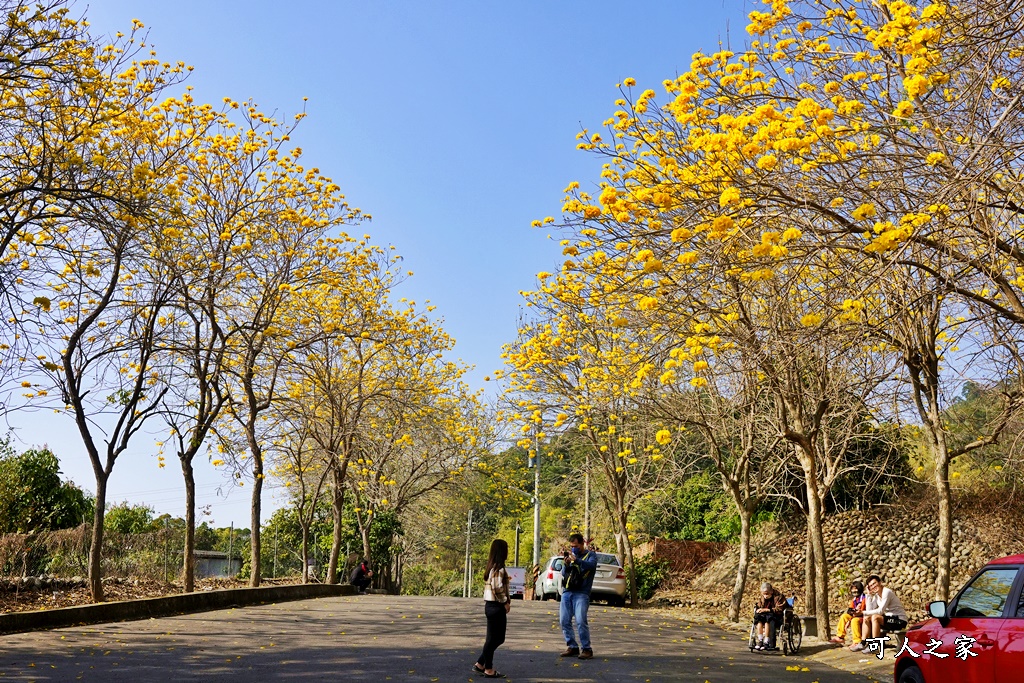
pixel 361 576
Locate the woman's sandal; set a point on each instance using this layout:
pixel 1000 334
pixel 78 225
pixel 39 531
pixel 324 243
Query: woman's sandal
pixel 483 672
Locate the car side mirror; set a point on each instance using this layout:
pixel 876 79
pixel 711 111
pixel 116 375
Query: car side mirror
pixel 939 610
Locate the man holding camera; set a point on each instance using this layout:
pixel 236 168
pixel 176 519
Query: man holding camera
pixel 578 565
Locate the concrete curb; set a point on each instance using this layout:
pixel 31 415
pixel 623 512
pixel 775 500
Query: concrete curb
pixel 203 601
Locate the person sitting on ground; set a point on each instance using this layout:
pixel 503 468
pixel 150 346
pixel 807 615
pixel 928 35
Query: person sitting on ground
pixel 361 576
pixel 853 616
pixel 768 614
pixel 883 611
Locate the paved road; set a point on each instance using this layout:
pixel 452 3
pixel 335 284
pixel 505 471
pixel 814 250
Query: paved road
pixel 382 638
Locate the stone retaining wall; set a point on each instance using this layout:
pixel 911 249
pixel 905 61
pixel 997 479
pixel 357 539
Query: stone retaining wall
pixel 684 557
pixel 898 546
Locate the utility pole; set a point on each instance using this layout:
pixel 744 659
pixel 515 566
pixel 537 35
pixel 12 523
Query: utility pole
pixel 231 538
pixel 469 560
pixel 167 539
pixel 519 529
pixel 536 497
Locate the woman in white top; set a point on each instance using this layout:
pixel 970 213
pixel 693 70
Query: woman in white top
pixel 883 611
pixel 496 606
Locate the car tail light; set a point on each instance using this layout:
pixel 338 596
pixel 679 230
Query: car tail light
pixel 551 575
pixel 621 574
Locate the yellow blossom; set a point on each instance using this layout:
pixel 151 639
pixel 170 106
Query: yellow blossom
pixel 810 320
pixel 864 212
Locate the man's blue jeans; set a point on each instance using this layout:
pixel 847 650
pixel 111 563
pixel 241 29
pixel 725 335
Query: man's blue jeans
pixel 575 604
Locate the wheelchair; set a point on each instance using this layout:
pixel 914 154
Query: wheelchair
pixel 789 632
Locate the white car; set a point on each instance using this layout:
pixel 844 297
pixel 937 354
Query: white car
pixel 609 580
pixel 549 581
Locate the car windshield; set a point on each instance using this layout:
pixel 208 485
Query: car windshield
pixel 604 558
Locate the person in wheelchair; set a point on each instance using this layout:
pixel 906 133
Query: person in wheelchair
pixel 768 616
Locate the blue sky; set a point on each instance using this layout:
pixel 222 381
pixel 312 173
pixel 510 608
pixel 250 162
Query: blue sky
pixel 452 123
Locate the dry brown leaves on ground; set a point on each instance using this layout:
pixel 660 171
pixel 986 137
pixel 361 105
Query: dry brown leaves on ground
pixel 25 600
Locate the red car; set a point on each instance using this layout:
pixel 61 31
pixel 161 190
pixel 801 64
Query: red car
pixel 977 638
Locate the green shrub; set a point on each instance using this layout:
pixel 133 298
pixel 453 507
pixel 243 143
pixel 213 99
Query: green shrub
pixel 424 579
pixel 649 575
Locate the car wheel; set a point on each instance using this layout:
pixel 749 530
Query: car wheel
pixel 911 675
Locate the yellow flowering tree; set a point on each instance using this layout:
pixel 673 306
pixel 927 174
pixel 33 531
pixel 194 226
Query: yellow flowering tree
pixel 292 296
pixel 579 364
pixel 300 466
pixel 730 418
pixel 910 316
pixel 96 321
pixel 374 356
pixel 250 218
pixel 417 442
pixel 886 134
pixel 60 95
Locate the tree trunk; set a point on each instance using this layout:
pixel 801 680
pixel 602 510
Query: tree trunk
pixel 620 548
pixel 744 564
pixel 924 375
pixel 256 576
pixel 816 539
pixel 364 533
pixel 305 553
pixel 944 542
pixel 188 574
pixel 337 512
pixel 809 592
pixel 399 571
pixel 96 545
pixel 634 594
